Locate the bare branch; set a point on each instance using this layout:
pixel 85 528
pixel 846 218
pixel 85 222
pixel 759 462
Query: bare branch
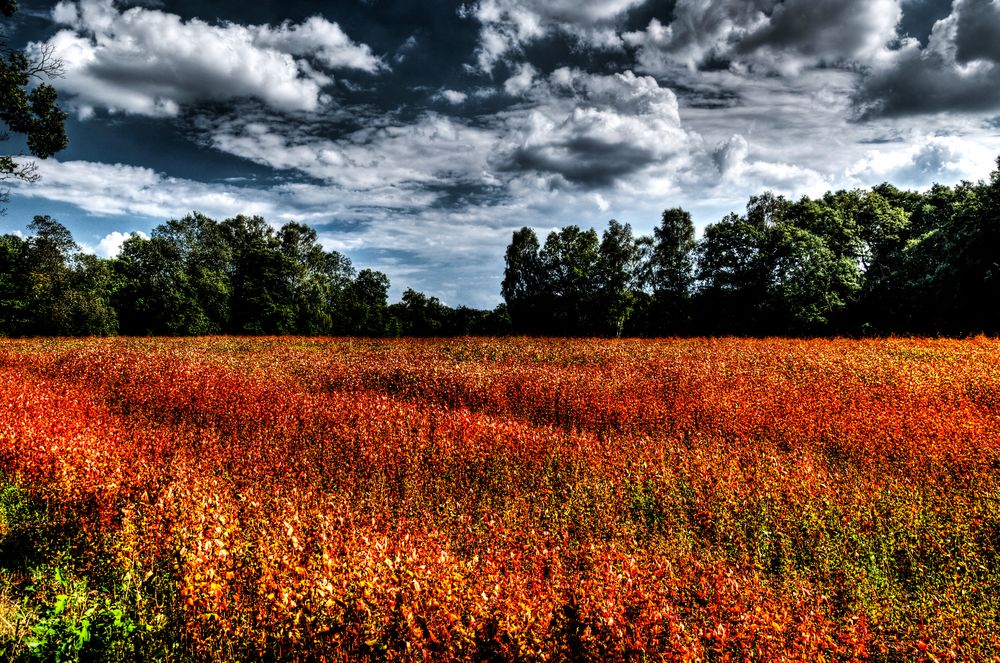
pixel 45 63
pixel 13 169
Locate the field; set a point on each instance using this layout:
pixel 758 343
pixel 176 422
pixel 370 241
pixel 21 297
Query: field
pixel 521 499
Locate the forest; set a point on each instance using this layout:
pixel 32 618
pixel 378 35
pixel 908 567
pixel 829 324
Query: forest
pixel 850 263
pixel 196 276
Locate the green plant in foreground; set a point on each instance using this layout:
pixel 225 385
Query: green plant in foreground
pixel 57 605
pixel 79 625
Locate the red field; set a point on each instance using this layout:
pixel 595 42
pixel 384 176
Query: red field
pixel 717 500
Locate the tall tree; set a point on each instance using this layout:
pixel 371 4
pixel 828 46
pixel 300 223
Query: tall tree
pixel 812 286
pixel 521 287
pixel 178 281
pixel 420 315
pixel 569 266
pixel 312 277
pixel 53 289
pixel 205 259
pixel 671 271
pixel 737 259
pixel 49 257
pixel 618 278
pixel 966 284
pixel 154 297
pixel 890 245
pixel 14 312
pixel 365 307
pixel 261 295
pixel 729 295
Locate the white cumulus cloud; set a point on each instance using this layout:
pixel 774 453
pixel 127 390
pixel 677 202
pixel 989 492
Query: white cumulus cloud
pixel 150 62
pixel 506 26
pixel 110 245
pixel 594 129
pixel 781 36
pixel 118 190
pixel 937 159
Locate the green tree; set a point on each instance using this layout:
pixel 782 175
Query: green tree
pixel 569 267
pixel 812 285
pixel 420 315
pixel 14 312
pixel 465 321
pixel 730 294
pixel 618 278
pixel 964 256
pixel 364 309
pixel 834 219
pixel 262 302
pixel 87 308
pixel 50 253
pixel 313 278
pixel 177 281
pixel 205 259
pixel 153 298
pixel 28 110
pixel 522 281
pixel 737 263
pixel 670 272
pixel 820 251
pixel 890 243
pixel 57 290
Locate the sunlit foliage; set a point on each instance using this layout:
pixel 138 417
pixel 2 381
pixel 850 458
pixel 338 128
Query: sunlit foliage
pixel 524 499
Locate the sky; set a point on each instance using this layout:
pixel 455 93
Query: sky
pixel 416 135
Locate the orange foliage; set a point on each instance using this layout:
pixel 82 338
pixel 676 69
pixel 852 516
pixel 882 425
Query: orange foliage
pixel 526 499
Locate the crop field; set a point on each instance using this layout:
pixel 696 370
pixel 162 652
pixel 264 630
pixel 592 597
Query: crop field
pixel 500 499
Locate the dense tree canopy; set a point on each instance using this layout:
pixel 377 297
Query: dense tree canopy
pixel 850 262
pixel 196 276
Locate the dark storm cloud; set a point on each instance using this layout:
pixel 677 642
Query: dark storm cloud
pixel 918 83
pixel 770 35
pixel 825 31
pixel 957 71
pixel 583 160
pixel 977 31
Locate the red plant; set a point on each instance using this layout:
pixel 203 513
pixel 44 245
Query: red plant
pixel 530 499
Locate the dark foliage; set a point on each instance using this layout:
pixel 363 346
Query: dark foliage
pixel 858 262
pixel 197 276
pixel 28 109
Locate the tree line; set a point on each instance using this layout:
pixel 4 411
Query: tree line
pixel 861 262
pixel 196 276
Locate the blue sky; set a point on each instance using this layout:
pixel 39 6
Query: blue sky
pixel 416 136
